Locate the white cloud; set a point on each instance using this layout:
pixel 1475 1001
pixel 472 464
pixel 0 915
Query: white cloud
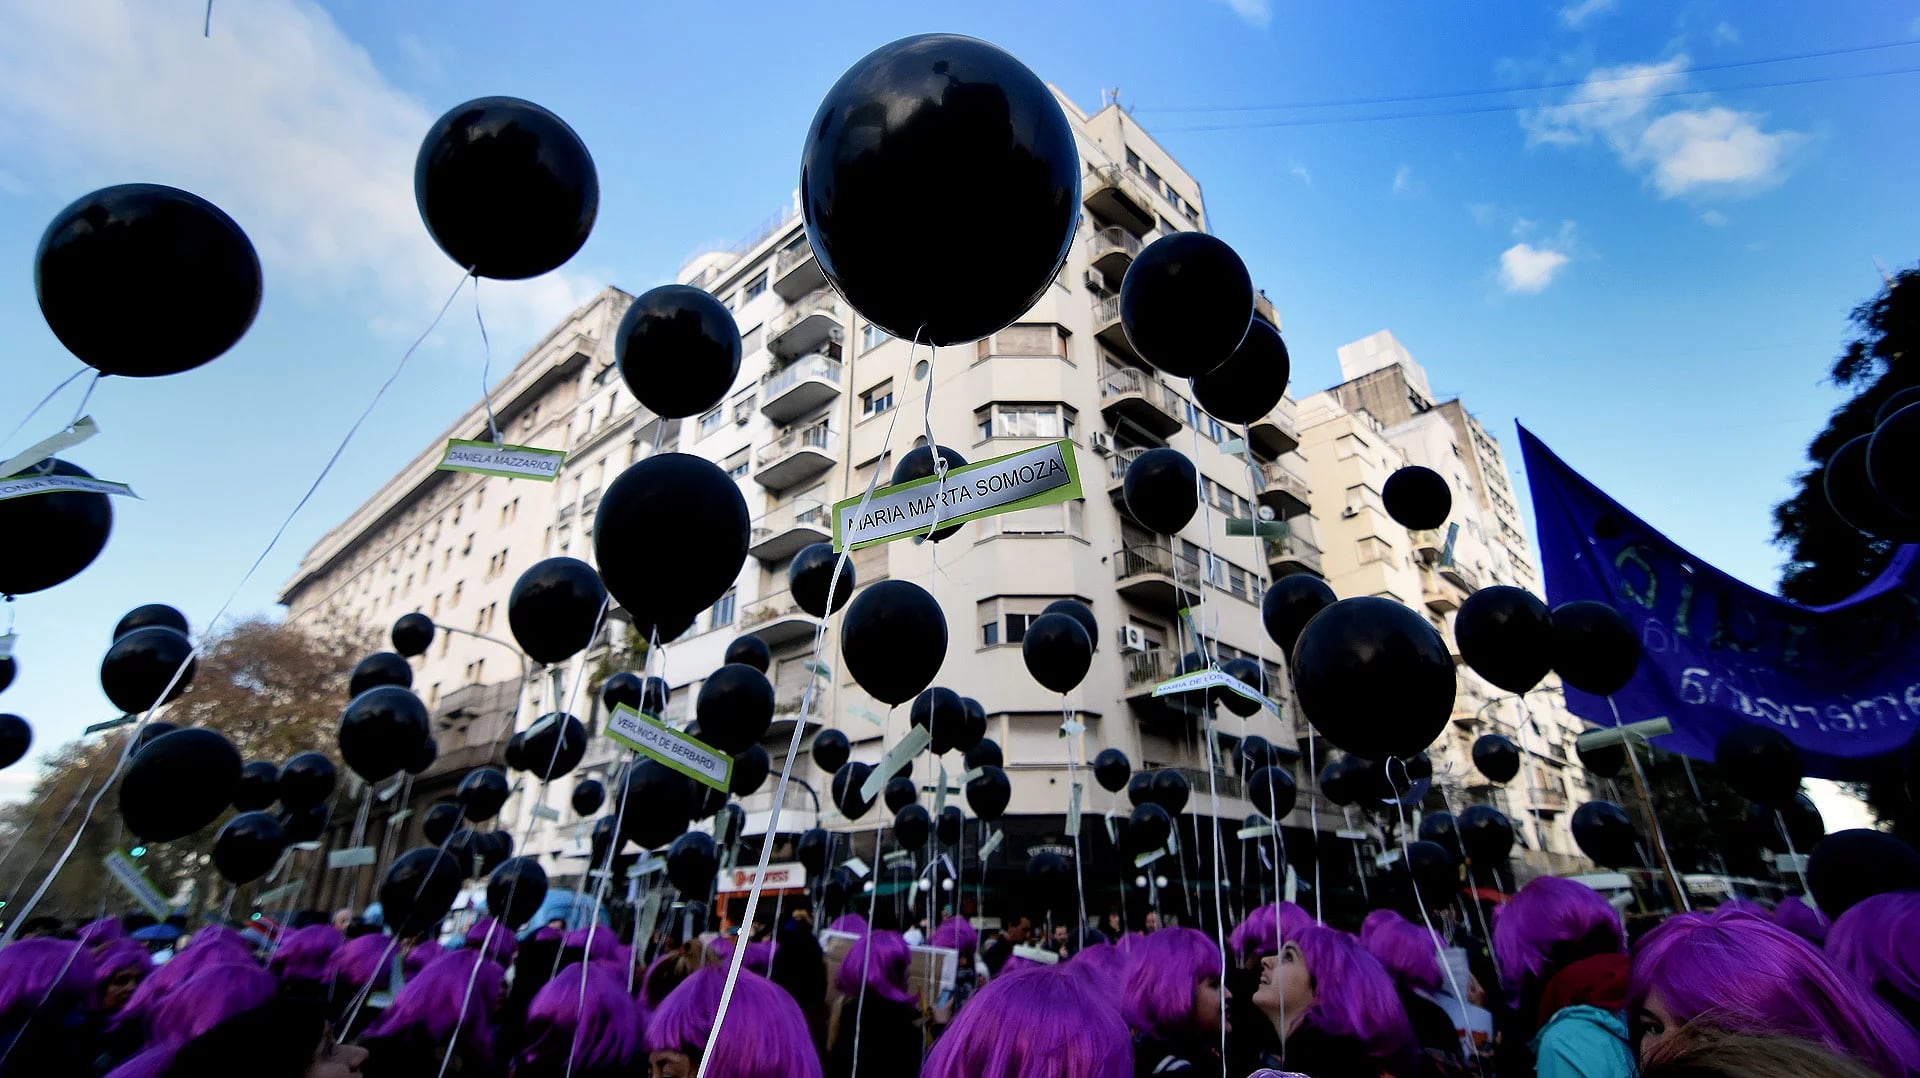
pixel 278 118
pixel 1483 213
pixel 1680 151
pixel 1580 11
pixel 1713 219
pixel 1528 270
pixel 1725 33
pixel 1252 12
pixel 1299 172
pixel 1404 183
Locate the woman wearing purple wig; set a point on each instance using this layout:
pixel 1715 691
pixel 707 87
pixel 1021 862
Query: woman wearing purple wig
pixel 957 934
pixel 208 998
pixel 1878 941
pixel 1174 1003
pixel 119 967
pixel 878 1022
pixel 209 947
pixel 46 991
pixel 1562 954
pixel 301 961
pixel 1797 915
pixel 418 1029
pixel 584 1026
pixel 1410 954
pixel 764 1035
pixel 1038 1022
pixel 1334 1009
pixel 1735 973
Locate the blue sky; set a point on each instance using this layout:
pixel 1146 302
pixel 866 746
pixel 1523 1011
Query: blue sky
pixel 1655 284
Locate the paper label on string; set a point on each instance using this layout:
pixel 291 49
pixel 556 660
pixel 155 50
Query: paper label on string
pixel 896 857
pixel 1292 884
pixel 991 844
pixel 82 429
pixel 399 816
pixel 1256 831
pixel 1113 830
pixel 940 793
pixel 505 461
pixel 649 736
pixel 1043 475
pixel 6 652
pixel 1071 727
pixel 542 812
pixel 351 857
pixel 1233 447
pixel 1073 810
pixel 1036 954
pixel 869 715
pixel 817 668
pixel 128 876
pixel 1265 529
pixel 49 484
pixel 857 867
pixel 1211 678
pixel 1353 833
pixel 285 890
pixel 309 846
pixel 917 738
pixel 1173 840
pixel 973 774
pixel 649 915
pixel 1145 859
pixel 392 788
pixel 1387 858
pixel 1446 552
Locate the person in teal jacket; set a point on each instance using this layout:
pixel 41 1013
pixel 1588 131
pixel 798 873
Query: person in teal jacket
pixel 1562 949
pixel 1582 1041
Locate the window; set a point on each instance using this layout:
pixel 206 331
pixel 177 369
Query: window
pixel 433 609
pixel 1025 421
pixel 458 586
pixel 1226 500
pixel 1363 497
pixel 722 612
pixel 433 694
pixel 711 421
pixel 1065 518
pixel 755 289
pixel 588 428
pixel 1025 340
pixel 446 559
pixel 872 336
pixel 751 340
pixel 878 399
pixel 467 547
pixel 476 670
pixel 456 513
pixel 1004 620
pixel 510 511
pixel 1133 160
pixel 736 465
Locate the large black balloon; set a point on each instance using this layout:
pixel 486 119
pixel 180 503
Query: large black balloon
pixel 1251 382
pixel 146 732
pixel 1248 673
pixel 692 862
pixel 255 790
pixel 810 575
pixel 377 669
pixel 52 536
pixel 622 688
pixel 494 848
pixel 1170 790
pixel 442 819
pixel 1344 781
pixel 16 736
pixel 305 781
pixel 1506 635
pixel 1186 303
pixel 1290 603
pixel 1441 829
pixel 505 187
pixel 1603 762
pixel 841 884
pixel 750 769
pixel 422 757
pixel 899 792
pixel 515 753
pixel 8 669
pixel 1859 505
pixel 412 634
pixel 665 576
pixel 1374 678
pixel 749 651
pixel 380 729
pixel 655 803
pixel 678 349
pixel 1804 826
pixel 1895 403
pixel 1161 489
pixel 735 707
pixel 912 825
pixel 973 726
pixel 516 891
pixel 1058 652
pixel 555 607
pixel 182 279
pixel 304 824
pixel 248 846
pixel 555 745
pixel 1761 764
pixel 1079 612
pixel 1594 649
pixel 481 793
pixel 1435 871
pixel 178 783
pixel 988 793
pixel 830 749
pixel 1272 792
pixel 915 131
pixel 948 827
pixel 1850 866
pixel 1140 788
pixel 1417 498
pixel 1497 757
pixel 1890 459
pixel 1112 769
pixel 1606 834
pixel 419 890
pixel 943 714
pixel 1486 834
pixel 151 614
pixel 588 796
pixel 846 789
pixel 140 666
pixel 985 751
pixel 1148 827
pixel 894 638
pixel 811 850
pixel 1050 882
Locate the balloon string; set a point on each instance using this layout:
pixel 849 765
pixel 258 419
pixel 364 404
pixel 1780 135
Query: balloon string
pixel 1260 646
pixel 1479 908
pixel 1075 743
pixel 1413 880
pixel 486 359
pixel 47 845
pixel 81 411
pixel 44 401
pixel 1212 746
pixel 1653 816
pixel 1799 865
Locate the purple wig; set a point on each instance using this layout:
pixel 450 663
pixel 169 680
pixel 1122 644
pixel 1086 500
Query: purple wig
pixel 759 955
pixel 500 946
pixel 1878 941
pixel 428 1007
pixel 217 936
pixel 1741 974
pixel 116 958
pixel 352 967
pixel 102 932
pixel 1265 929
pixel 768 1038
pixel 211 947
pixel 1549 924
pixel 880 961
pixel 304 953
pixel 1165 969
pixel 420 956
pixel 599 1031
pixel 1104 969
pixel 208 998
pixel 957 934
pixel 1410 953
pixel 604 946
pixel 1354 996
pixel 1797 915
pixel 851 923
pixel 59 972
pixel 1039 1022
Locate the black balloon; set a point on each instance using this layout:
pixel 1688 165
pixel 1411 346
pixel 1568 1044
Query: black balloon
pixel 1435 872
pixel 654 804
pixel 1486 834
pixel 1058 652
pixel 1761 764
pixel 1248 673
pixel 918 464
pixel 665 576
pixel 255 789
pixel 1251 382
pixel 846 789
pixel 412 634
pixel 948 827
pixel 1161 489
pixel 749 651
pixel 830 749
pixel 1170 790
pixel 1050 882
pixel 988 793
pixel 377 669
pixel 1079 612
pixel 516 891
pixel 464 848
pixel 1273 792
pixel 1253 753
pixel 1900 400
pixel 973 726
pixel 380 729
pixel 894 638
pixel 554 746
pixel 1374 678
pixel 1604 761
pixel 305 781
pixel 1417 498
pixel 481 793
pixel 52 536
pixel 1506 635
pixel 1497 757
pixel 899 793
pixel 178 783
pixel 248 846
pixel 16 736
pixel 811 851
pixel 419 890
pixel 654 694
pixel 912 825
pixel 442 819
pixel 150 730
pixel 588 796
pixel 678 349
pixel 1140 788
pixel 304 824
pixel 1804 827
pixel 931 121
pixel 622 688
pixel 1112 769
pixel 8 670
pixel 750 770
pixel 151 614
pixel 141 665
pixel 1606 834
pixel 1594 649
pixel 985 751
pixel 810 575
pixel 555 607
pixel 1149 827
pixel 1290 603
pixel 1851 493
pixel 1849 866
pixel 183 278
pixel 422 757
pixel 505 187
pixel 735 707
pixel 692 862
pixel 515 753
pixel 841 884
pixel 1345 780
pixel 1186 303
pixel 943 714
pixel 1441 829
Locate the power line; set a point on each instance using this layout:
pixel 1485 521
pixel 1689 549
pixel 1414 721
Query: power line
pixel 1455 94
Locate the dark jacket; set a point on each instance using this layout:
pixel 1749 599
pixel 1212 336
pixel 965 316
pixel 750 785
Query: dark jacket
pixel 1190 1057
pixel 1321 1055
pixel 889 1040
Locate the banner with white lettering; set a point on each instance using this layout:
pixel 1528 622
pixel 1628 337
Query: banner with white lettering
pixel 505 461
pixel 693 758
pixel 1043 475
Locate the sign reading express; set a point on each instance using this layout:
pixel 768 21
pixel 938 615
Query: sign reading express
pixel 649 736
pixel 787 875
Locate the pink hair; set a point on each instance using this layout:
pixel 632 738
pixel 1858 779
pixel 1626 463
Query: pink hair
pixel 206 999
pixel 768 1039
pixel 594 1031
pixel 1104 969
pixel 1038 1022
pixel 420 956
pixel 101 932
pixel 209 948
pixel 958 934
pixel 1797 915
pixel 500 944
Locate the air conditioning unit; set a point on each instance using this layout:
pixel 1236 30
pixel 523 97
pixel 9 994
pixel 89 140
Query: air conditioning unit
pixel 1133 639
pixel 742 412
pixel 1097 281
pixel 1349 513
pixel 1102 443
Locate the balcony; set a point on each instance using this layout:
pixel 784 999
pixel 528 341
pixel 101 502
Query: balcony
pixel 1113 250
pixel 796 272
pixel 1155 576
pixel 1275 433
pixel 1294 552
pixel 796 457
pixel 1428 544
pixel 1145 669
pixel 1117 466
pixel 781 534
pixel 1263 308
pixel 1114 195
pixel 1285 490
pixel 777 619
pixel 1107 327
pixel 1134 394
pixel 1439 598
pixel 801 387
pixel 813 322
pixel 1460 577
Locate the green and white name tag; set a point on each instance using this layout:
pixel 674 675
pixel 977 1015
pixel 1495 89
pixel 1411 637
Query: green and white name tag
pixel 285 890
pixel 351 857
pixel 129 877
pixel 21 486
pixel 1145 859
pixel 917 739
pixel 506 461
pixel 649 736
pixel 1211 678
pixel 82 429
pixel 1033 477
pixel 992 843
pixel 1257 831
pixel 1036 954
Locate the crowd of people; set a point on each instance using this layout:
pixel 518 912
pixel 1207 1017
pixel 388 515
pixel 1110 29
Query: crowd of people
pixel 1558 990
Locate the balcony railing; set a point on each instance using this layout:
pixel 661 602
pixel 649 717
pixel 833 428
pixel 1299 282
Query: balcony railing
pixel 1107 310
pixel 1137 561
pixel 818 436
pixel 1282 480
pixel 779 605
pixel 1295 548
pixel 810 366
pixel 1112 193
pixel 1146 669
pixel 791 257
pixel 1114 247
pixel 787 517
pixel 1121 460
